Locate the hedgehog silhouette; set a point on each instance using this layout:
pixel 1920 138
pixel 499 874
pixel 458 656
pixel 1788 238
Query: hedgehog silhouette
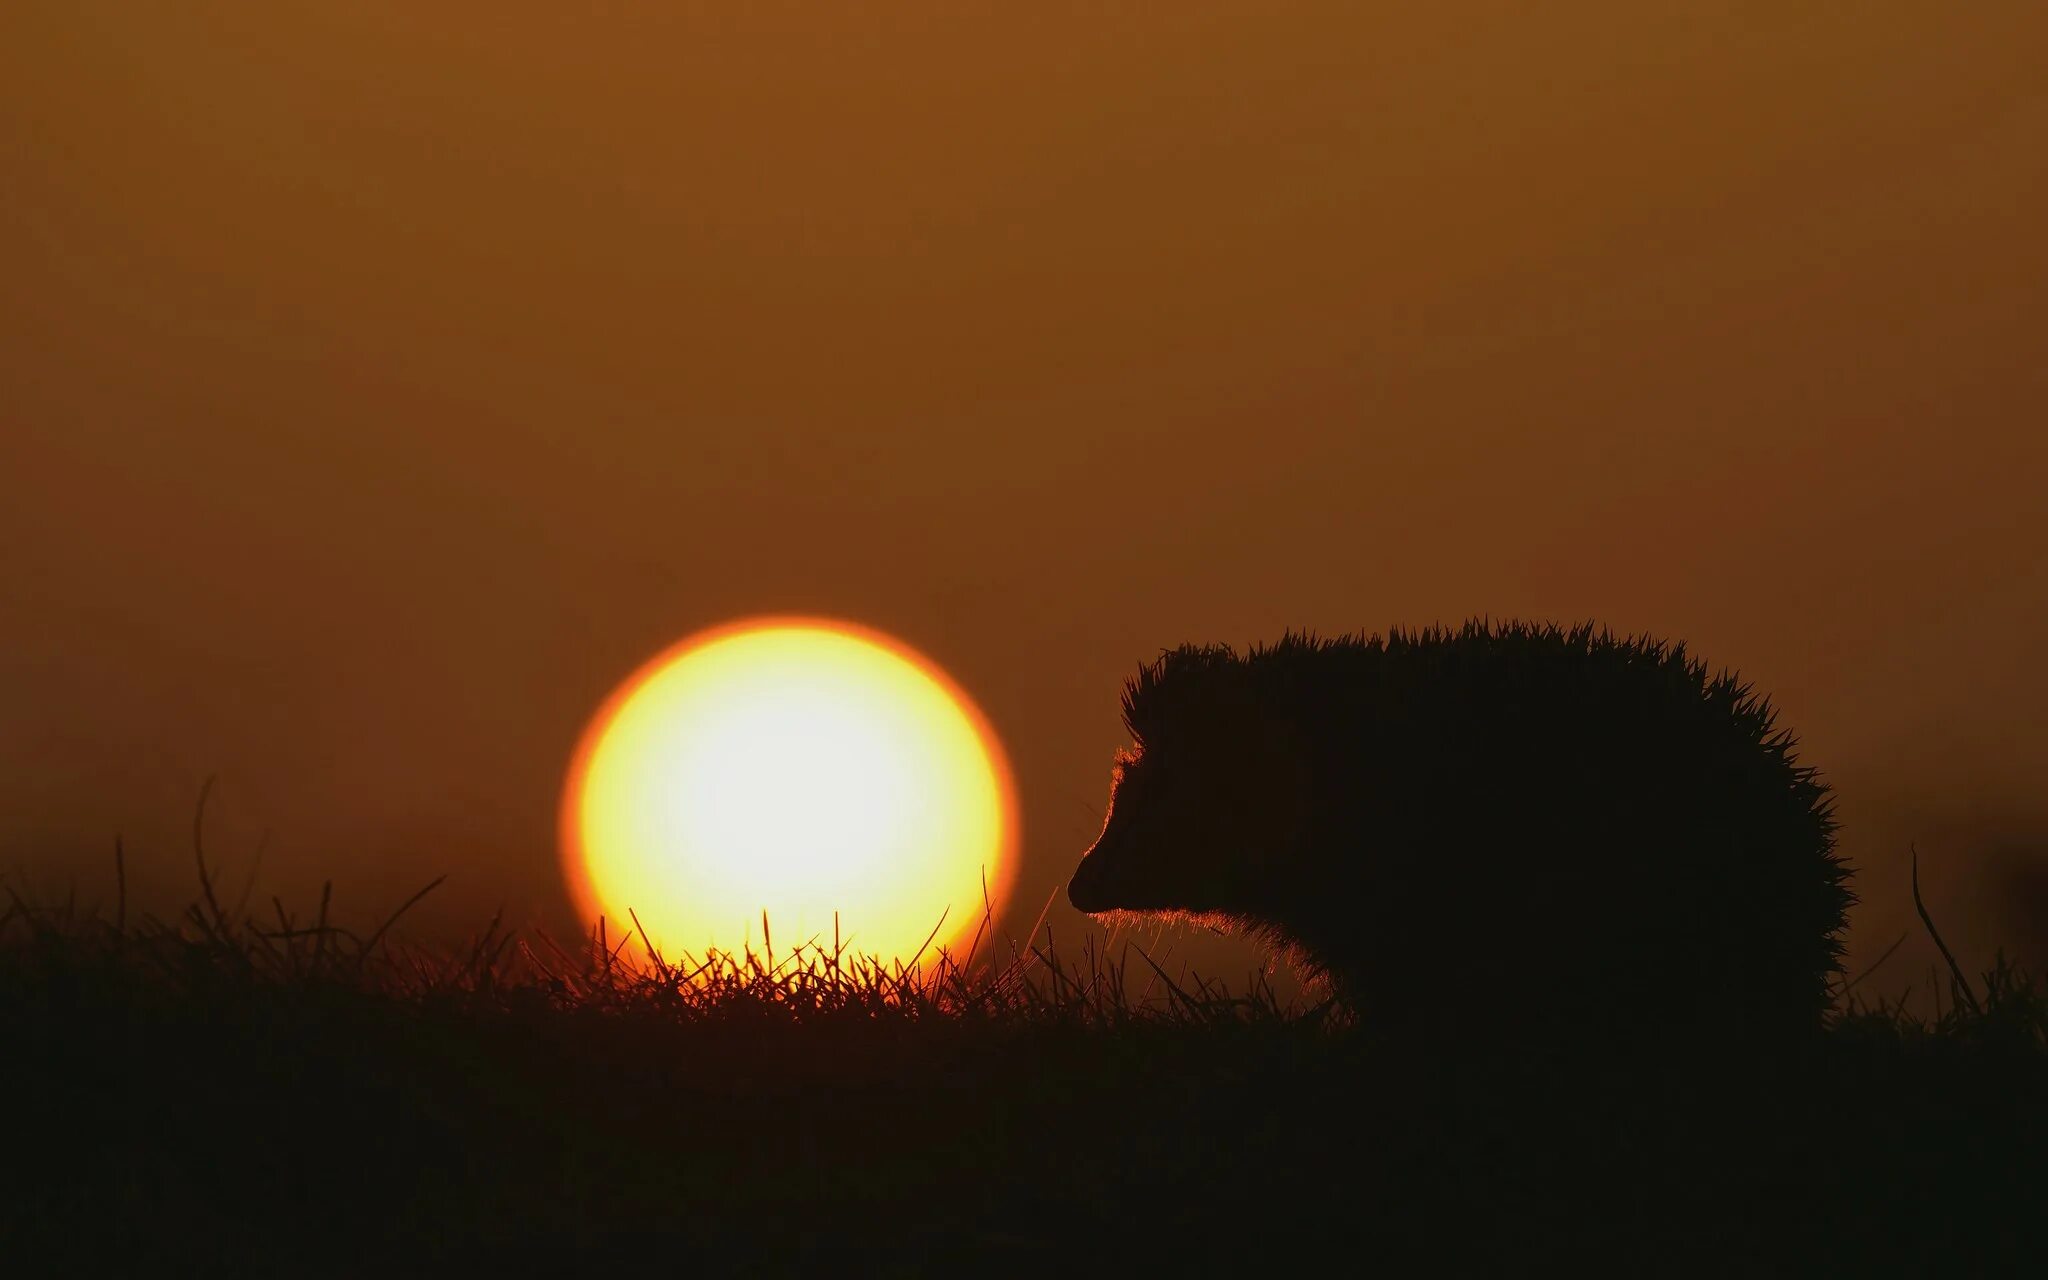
pixel 1504 827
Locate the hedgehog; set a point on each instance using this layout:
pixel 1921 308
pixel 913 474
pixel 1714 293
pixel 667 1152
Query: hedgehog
pixel 1507 827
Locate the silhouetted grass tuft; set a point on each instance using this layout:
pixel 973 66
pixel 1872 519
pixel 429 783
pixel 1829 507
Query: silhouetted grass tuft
pixel 247 1091
pixel 208 951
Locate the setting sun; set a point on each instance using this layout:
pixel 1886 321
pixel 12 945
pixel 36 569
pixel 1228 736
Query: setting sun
pixel 800 767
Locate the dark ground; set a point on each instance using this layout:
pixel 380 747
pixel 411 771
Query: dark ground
pixel 226 1103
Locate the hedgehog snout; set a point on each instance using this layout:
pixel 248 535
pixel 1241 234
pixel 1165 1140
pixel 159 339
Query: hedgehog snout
pixel 1091 889
pixel 1085 889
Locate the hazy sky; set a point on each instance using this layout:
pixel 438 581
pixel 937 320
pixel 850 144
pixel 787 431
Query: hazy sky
pixel 380 382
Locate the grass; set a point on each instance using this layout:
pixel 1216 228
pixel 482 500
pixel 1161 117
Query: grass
pixel 261 1094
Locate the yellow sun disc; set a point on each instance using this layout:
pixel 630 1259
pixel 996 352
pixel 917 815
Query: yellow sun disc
pixel 799 767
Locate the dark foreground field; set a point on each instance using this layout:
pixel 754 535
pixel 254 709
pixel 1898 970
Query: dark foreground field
pixel 235 1099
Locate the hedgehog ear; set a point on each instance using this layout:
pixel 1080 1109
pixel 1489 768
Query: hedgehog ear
pixel 1133 724
pixel 1151 712
pixel 1140 703
pixel 1158 694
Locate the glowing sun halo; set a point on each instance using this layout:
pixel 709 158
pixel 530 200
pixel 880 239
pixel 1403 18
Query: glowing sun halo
pixel 797 766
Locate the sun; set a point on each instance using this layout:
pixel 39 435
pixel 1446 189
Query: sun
pixel 815 770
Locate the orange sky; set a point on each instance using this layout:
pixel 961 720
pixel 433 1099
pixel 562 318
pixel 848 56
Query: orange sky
pixel 380 383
